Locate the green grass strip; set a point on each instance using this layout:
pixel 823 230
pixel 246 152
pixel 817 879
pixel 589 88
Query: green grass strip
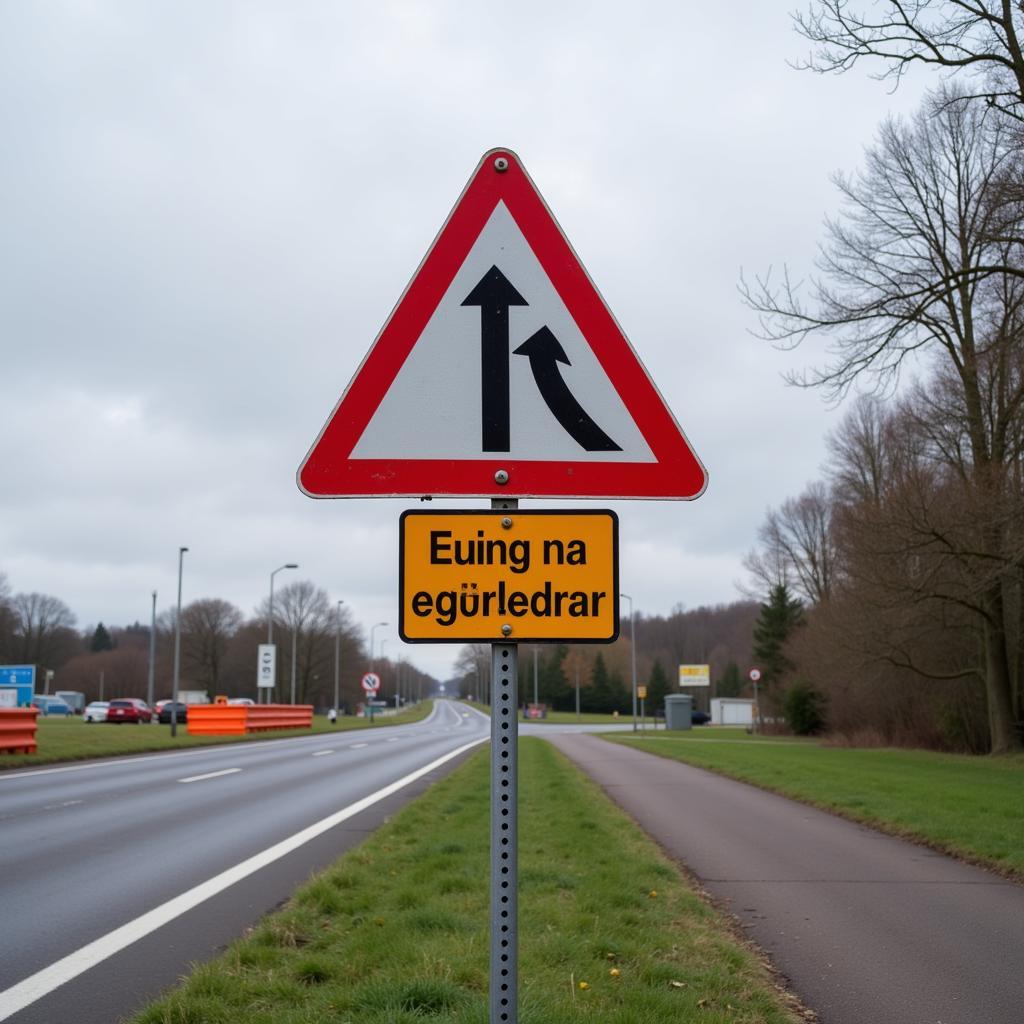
pixel 71 739
pixel 972 807
pixel 396 932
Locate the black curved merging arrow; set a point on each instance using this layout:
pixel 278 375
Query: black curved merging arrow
pixel 545 353
pixel 494 294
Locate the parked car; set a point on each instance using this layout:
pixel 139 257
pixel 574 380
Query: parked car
pixel 699 717
pixel 129 709
pixel 96 711
pixel 248 701
pixel 50 705
pixel 168 708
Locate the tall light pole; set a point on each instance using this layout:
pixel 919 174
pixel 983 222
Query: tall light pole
pixel 337 653
pixel 270 614
pixel 152 655
pixel 384 644
pixel 295 635
pixel 373 629
pixel 177 649
pixel 632 651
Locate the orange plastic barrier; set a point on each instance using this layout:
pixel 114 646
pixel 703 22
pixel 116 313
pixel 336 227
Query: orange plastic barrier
pixel 238 719
pixel 18 730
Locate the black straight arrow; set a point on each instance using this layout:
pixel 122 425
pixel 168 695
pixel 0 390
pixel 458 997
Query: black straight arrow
pixel 494 295
pixel 545 353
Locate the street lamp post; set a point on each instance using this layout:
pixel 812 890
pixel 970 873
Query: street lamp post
pixel 150 679
pixel 295 637
pixel 270 615
pixel 177 650
pixel 373 629
pixel 632 651
pixel 337 653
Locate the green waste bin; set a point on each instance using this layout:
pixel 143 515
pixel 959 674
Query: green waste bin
pixel 678 711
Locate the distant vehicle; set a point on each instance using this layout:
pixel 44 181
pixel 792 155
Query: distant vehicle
pixel 699 717
pixel 96 711
pixel 129 709
pixel 73 698
pixel 169 708
pixel 50 705
pixel 242 700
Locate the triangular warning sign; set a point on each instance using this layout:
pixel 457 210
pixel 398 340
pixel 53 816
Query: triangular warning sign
pixel 501 372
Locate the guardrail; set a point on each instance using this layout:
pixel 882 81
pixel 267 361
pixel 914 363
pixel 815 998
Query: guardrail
pixel 18 730
pixel 239 719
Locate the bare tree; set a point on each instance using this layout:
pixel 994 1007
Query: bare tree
pixel 207 628
pixel 980 37
pixel 908 271
pixel 43 630
pixel 797 547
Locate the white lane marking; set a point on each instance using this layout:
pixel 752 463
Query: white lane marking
pixel 9 776
pixel 394 739
pixel 67 803
pixel 37 985
pixel 356 746
pixel 322 753
pixel 210 775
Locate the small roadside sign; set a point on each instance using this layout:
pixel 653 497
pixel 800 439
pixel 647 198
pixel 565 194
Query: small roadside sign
pixel 755 675
pixel 694 675
pixel 370 682
pixel 479 577
pixel 641 692
pixel 266 666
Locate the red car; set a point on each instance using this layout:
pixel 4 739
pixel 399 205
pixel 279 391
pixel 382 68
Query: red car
pixel 129 709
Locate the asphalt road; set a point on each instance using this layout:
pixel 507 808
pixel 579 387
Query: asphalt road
pixel 88 849
pixel 866 927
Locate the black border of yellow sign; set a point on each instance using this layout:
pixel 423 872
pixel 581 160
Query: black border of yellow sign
pixel 584 621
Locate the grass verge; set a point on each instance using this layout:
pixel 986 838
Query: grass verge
pixel 70 739
pixel 396 932
pixel 972 807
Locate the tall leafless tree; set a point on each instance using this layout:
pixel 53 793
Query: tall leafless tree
pixel 897 280
pixel 207 628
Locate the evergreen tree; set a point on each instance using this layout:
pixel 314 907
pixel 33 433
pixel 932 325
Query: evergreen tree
pixel 599 698
pixel 731 683
pixel 779 618
pixel 101 640
pixel 554 689
pixel 657 688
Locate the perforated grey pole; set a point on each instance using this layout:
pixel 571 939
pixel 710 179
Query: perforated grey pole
pixel 504 833
pixel 504 825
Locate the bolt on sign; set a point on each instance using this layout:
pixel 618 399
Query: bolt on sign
pixel 485 577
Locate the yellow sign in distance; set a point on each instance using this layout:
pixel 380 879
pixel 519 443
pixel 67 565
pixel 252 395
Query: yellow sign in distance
pixel 641 692
pixel 694 675
pixel 489 576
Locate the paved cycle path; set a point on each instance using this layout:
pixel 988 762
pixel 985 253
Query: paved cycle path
pixel 868 929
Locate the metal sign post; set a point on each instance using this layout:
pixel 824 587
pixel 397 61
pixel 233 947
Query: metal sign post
pixel 504 834
pixel 504 984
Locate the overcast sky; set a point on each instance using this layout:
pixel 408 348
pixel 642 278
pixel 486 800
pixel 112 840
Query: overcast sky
pixel 209 209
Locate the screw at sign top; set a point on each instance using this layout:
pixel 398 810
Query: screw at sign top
pixel 501 164
pixel 506 522
pixel 506 630
pixel 501 477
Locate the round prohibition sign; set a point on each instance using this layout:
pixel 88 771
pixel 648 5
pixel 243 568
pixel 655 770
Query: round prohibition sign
pixel 371 682
pixel 755 675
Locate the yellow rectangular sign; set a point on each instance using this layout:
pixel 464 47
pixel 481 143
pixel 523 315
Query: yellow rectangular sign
pixel 488 576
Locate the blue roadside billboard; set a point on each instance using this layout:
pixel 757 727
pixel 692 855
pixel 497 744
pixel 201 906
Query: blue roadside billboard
pixel 21 679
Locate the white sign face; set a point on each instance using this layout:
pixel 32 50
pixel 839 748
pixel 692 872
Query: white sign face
pixel 8 698
pixel 694 675
pixel 755 675
pixel 438 387
pixel 266 666
pixel 371 682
